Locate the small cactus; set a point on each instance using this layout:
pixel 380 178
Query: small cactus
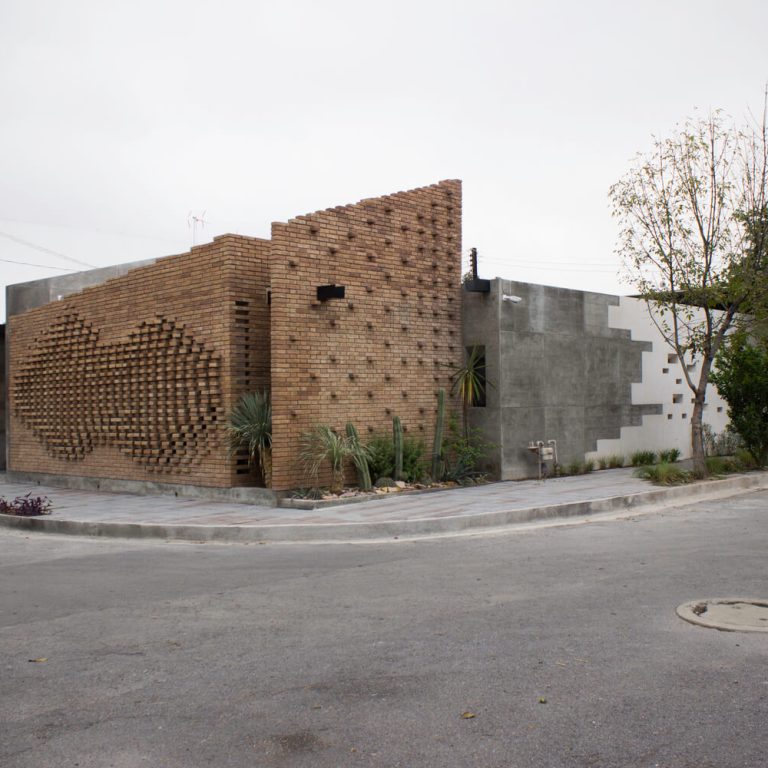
pixel 437 450
pixel 397 433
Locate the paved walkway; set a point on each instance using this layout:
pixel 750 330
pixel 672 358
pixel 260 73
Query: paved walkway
pixel 121 514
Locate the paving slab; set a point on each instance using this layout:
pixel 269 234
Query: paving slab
pixel 99 513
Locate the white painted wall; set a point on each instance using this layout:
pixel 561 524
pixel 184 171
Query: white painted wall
pixel 663 382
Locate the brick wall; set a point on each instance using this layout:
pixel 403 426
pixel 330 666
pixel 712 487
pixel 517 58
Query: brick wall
pixel 247 280
pixel 384 349
pixel 133 378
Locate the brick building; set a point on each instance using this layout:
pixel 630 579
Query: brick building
pixel 132 378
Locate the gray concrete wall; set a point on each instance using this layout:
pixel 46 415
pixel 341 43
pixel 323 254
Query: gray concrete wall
pixel 23 296
pixel 556 370
pixel 480 319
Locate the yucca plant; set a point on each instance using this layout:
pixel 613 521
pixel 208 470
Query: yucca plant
pixel 250 427
pixel 469 383
pixel 325 444
pixel 360 456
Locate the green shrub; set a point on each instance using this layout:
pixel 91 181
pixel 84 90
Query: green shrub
pixel 413 459
pixel 670 456
pixel 642 458
pixel 724 443
pixel 725 465
pixel 715 465
pixel 574 468
pixel 613 461
pixel 323 444
pixel 664 474
pixel 462 454
pixel 359 454
pixel 305 493
pixel 741 378
pixel 381 456
pixel 745 459
pixel 250 427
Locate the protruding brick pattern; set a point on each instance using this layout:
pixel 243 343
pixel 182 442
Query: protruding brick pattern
pixel 385 348
pixel 156 398
pixel 133 379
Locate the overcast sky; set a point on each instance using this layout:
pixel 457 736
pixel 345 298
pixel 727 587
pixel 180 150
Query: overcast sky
pixel 119 118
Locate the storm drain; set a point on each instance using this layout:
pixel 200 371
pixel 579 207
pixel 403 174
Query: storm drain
pixel 731 614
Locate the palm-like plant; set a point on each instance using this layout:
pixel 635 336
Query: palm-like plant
pixel 325 444
pixel 469 383
pixel 361 455
pixel 250 427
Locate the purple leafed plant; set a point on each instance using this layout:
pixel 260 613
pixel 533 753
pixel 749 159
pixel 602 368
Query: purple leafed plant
pixel 26 506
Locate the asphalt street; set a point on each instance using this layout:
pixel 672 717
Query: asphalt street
pixel 544 647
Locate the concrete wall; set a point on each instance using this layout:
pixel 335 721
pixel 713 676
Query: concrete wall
pixel 557 371
pixel 662 382
pixel 588 370
pixel 24 296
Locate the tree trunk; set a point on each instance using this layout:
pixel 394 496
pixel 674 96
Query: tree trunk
pixel 697 417
pixel 697 436
pixel 337 480
pixel 266 467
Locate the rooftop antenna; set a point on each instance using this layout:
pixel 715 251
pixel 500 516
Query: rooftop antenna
pixel 193 221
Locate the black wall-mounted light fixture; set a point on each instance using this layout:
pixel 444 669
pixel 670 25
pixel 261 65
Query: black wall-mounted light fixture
pixel 325 292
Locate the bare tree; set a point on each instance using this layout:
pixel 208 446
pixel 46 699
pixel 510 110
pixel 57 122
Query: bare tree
pixel 692 215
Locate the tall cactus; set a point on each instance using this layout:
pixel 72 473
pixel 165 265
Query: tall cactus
pixel 437 450
pixel 359 457
pixel 397 433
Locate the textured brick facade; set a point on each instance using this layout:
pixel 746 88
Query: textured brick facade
pixel 384 349
pixel 133 379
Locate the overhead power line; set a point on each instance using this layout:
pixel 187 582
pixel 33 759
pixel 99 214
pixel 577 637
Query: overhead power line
pixel 42 249
pixel 30 264
pixel 99 230
pixel 544 267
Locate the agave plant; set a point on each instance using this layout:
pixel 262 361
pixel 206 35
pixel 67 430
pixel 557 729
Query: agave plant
pixel 469 383
pixel 325 444
pixel 250 427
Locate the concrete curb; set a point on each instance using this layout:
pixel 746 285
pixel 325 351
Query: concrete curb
pixel 377 531
pixel 243 495
pixel 309 504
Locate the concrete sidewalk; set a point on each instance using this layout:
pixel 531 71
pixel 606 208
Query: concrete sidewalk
pixel 401 515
